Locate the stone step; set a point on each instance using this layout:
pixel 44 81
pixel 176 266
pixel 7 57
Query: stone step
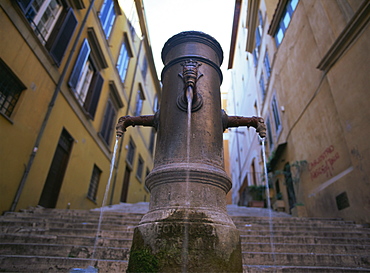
pixel 306 259
pixel 320 233
pixel 245 219
pixel 65 214
pixel 90 230
pixel 93 216
pixel 65 240
pixel 49 240
pixel 253 262
pixel 289 220
pixel 120 231
pixel 245 230
pixel 91 223
pixel 72 251
pixel 300 246
pixel 66 224
pixel 304 240
pixel 312 224
pixel 301 228
pixel 52 257
pixel 19 263
pixel 83 217
pixel 301 269
pixel 70 212
pixel 117 223
pixel 76 212
pixel 70 220
pixel 64 231
pixel 306 248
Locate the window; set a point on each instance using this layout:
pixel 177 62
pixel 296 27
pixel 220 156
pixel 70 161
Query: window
pixel 10 89
pixel 253 174
pixel 123 59
pixel 255 108
pixel 86 81
pixel 94 183
pixel 140 168
pixel 53 22
pixel 131 152
pixel 108 121
pixel 152 140
pixel 144 68
pixel 155 104
pixel 269 133
pixel 146 174
pixel 258 38
pixel 275 111
pixel 262 85
pixel 266 62
pixel 255 56
pixel 107 15
pixel 259 29
pixel 342 201
pixel 139 102
pixel 96 50
pixel 42 15
pixel 285 20
pixel 132 30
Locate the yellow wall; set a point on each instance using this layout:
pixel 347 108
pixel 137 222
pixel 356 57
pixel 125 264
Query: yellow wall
pixel 18 134
pixel 27 58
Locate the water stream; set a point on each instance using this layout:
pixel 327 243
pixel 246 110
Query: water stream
pixel 189 97
pixel 104 202
pixel 271 229
pixel 185 245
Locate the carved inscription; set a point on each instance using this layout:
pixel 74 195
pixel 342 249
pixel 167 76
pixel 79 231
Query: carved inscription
pixel 324 164
pixel 197 237
pixel 190 228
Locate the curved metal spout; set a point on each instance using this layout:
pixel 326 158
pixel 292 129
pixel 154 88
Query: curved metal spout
pixel 127 121
pixel 189 94
pixel 190 76
pixel 235 121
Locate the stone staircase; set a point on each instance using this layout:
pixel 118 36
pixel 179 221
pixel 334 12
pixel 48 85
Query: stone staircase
pixel 51 240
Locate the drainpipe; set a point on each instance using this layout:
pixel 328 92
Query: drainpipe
pixel 127 112
pixel 48 113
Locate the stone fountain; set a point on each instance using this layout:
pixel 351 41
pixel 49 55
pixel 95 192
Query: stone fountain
pixel 187 228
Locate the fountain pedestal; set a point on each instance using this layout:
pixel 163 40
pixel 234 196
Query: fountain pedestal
pixel 187 228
